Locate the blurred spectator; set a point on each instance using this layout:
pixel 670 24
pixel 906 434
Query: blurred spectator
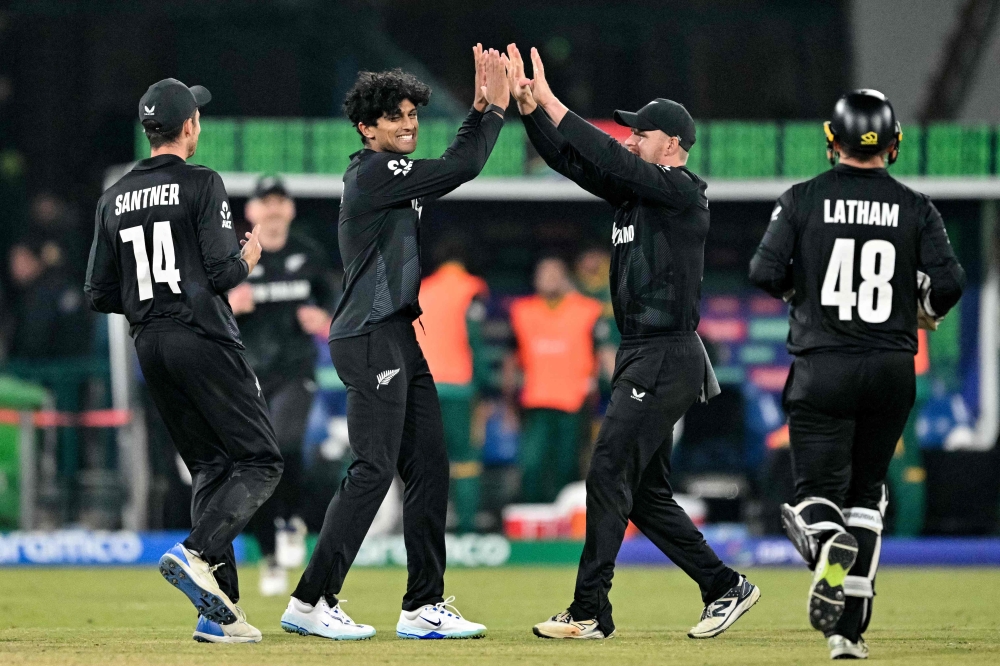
pixel 55 231
pixel 286 300
pixel 554 330
pixel 51 319
pixel 593 275
pixel 450 338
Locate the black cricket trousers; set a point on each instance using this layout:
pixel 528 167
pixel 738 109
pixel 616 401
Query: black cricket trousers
pixel 846 413
pixel 214 411
pixel 656 381
pixel 394 425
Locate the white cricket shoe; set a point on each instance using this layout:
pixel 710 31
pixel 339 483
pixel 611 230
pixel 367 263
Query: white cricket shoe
pixel 273 579
pixel 722 613
pixel 193 576
pixel 564 626
pixel 290 543
pixel 323 621
pixel 240 631
pixel 844 648
pixel 441 620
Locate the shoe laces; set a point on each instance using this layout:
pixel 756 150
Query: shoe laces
pixel 445 608
pixel 339 612
pixel 565 616
pixel 212 568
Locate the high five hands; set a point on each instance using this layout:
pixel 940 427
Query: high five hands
pixel 530 93
pixel 491 78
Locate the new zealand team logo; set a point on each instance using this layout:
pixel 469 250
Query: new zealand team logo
pixel 227 216
pixel 400 166
pixel 383 378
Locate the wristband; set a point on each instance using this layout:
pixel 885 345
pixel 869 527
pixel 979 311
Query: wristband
pixel 494 108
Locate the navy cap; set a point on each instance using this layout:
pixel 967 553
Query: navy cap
pixel 269 185
pixel 664 115
pixel 168 103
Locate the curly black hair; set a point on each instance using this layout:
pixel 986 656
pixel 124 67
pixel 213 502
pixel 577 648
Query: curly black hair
pixel 375 94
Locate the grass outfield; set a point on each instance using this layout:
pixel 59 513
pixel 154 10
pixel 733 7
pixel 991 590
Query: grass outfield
pixel 131 616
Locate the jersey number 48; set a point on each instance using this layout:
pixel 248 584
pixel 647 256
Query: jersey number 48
pixel 164 258
pixel 874 296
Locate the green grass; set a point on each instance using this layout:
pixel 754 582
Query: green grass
pixel 131 616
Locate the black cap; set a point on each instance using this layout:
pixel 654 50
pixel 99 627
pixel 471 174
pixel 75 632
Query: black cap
pixel 864 122
pixel 269 185
pixel 168 103
pixel 664 115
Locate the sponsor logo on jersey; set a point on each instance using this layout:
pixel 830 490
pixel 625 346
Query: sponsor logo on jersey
pixel 149 110
pixel 227 216
pixel 161 195
pixel 776 212
pixel 623 235
pixel 278 292
pixel 638 396
pixel 400 166
pixel 383 378
pixel 853 211
pixel 869 139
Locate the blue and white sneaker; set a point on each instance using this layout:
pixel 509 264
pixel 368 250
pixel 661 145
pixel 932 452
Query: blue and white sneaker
pixel 722 613
pixel 240 631
pixel 323 621
pixel 441 620
pixel 192 575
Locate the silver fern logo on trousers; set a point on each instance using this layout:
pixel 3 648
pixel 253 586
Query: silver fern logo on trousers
pixel 385 377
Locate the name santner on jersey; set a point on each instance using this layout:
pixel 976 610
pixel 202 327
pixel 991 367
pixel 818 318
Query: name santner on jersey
pixel 163 252
pixel 167 194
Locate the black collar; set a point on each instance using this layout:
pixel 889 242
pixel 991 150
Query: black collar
pixel 157 162
pixel 857 171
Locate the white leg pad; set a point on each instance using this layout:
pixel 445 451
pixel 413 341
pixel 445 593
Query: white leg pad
pixel 869 519
pixel 858 586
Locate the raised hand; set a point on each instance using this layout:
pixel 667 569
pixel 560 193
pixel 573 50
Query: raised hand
pixel 519 84
pixel 539 84
pixel 480 101
pixel 497 90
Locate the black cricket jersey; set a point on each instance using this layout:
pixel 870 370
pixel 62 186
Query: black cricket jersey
pixel 660 223
pixel 379 228
pixel 850 242
pixel 165 250
pixel 298 274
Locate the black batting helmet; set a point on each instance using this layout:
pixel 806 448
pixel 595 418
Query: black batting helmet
pixel 864 123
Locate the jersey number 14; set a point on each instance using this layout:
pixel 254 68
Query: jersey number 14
pixel 874 296
pixel 164 258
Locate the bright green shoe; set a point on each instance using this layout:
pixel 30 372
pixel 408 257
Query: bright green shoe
pixel 826 594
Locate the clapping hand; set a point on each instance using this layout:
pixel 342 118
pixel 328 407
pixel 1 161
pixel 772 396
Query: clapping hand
pixel 519 84
pixel 539 84
pixel 479 104
pixel 495 88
